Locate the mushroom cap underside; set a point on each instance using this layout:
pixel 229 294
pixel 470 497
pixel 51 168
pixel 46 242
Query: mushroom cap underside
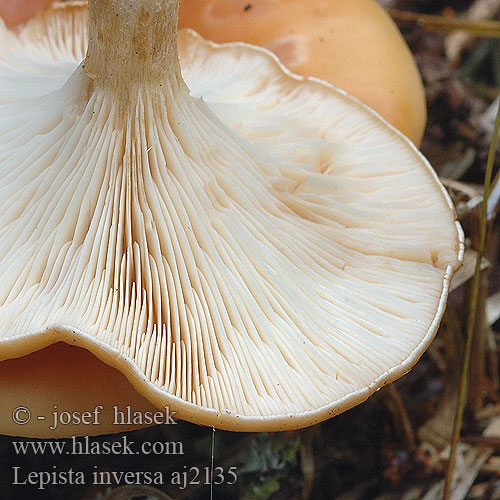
pixel 63 390
pixel 260 252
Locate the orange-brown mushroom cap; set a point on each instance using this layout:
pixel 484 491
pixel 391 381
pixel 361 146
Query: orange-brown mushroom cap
pixel 19 11
pixel 255 250
pixel 62 391
pixel 353 44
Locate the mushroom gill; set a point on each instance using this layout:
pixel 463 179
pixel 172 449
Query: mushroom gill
pixel 256 250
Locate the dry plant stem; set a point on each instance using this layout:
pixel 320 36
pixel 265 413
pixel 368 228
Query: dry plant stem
pixel 478 382
pixel 489 29
pixel 471 319
pixel 401 416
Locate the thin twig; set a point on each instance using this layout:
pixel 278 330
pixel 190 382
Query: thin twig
pixel 486 28
pixel 471 319
pixel 402 415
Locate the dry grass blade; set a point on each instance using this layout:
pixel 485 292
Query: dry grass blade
pixel 457 41
pixel 466 197
pixel 471 319
pixel 466 476
pixel 487 29
pixel 400 415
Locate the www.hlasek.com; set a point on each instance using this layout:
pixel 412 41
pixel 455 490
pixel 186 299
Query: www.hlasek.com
pixel 122 446
pixel 87 446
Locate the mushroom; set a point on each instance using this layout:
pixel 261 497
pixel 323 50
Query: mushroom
pixel 353 44
pixel 18 11
pixel 252 249
pixel 63 390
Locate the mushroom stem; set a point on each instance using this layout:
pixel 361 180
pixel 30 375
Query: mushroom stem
pixel 132 43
